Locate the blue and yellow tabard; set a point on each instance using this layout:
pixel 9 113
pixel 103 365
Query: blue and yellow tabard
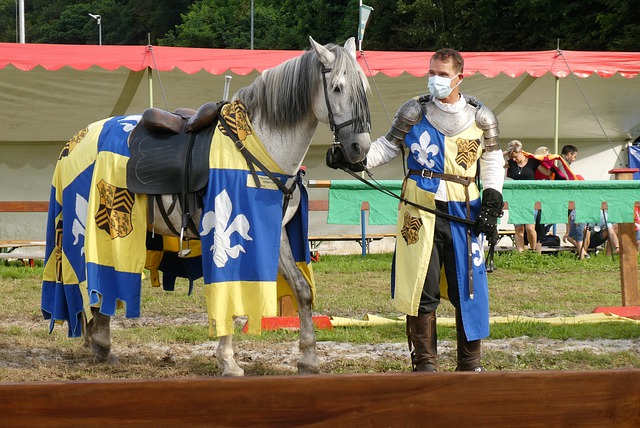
pixel 241 218
pixel 456 155
pixel 93 221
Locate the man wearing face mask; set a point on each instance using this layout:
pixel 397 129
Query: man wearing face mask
pixel 452 139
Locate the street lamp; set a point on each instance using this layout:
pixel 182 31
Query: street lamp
pixel 251 24
pixel 98 18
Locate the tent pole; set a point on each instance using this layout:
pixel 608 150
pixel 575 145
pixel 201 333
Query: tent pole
pixel 150 84
pixel 556 119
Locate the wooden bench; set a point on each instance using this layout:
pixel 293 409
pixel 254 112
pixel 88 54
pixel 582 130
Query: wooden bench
pixel 25 250
pixel 508 233
pixel 364 239
pixel 315 241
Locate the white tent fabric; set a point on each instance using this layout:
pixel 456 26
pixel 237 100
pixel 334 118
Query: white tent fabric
pixel 51 91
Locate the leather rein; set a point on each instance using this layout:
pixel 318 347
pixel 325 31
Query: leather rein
pixel 377 186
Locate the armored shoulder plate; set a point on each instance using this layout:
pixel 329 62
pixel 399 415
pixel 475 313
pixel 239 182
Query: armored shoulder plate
pixel 488 122
pixel 408 115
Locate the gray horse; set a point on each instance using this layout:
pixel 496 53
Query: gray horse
pixel 284 106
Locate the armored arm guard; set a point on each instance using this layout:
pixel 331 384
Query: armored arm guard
pixel 407 116
pixel 488 122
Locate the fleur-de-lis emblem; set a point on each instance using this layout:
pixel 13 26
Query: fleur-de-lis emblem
pixel 477 254
pixel 218 221
pixel 78 226
pixel 129 122
pixel 424 151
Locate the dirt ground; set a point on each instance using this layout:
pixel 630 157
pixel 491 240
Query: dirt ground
pixel 281 357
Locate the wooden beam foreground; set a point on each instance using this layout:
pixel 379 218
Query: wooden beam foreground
pixel 492 399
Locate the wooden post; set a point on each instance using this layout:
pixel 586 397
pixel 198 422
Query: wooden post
pixel 363 227
pixel 628 250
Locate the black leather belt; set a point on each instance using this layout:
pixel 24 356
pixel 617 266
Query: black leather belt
pixel 427 173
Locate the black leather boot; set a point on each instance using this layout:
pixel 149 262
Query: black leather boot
pixel 469 352
pixel 422 334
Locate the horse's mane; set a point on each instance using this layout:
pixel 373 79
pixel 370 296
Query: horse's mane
pixel 282 96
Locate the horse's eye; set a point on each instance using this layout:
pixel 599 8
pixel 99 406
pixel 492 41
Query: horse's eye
pixel 337 89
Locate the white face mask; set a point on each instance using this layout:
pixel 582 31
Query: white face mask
pixel 440 87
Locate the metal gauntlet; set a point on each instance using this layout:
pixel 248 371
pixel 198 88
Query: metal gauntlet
pixel 488 122
pixel 407 116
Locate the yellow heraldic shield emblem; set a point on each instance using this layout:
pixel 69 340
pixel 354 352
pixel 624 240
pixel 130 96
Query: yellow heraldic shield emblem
pixel 411 228
pixel 114 214
pixel 71 144
pixel 237 119
pixel 467 151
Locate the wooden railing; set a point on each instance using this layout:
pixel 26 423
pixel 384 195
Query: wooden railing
pixel 493 399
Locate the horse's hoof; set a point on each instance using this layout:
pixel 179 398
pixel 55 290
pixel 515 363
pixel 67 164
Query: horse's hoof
pixel 307 369
pixel 233 372
pixel 112 360
pixel 103 355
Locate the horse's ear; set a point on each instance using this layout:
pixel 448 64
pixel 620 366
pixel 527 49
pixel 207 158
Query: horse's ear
pixel 326 57
pixel 350 46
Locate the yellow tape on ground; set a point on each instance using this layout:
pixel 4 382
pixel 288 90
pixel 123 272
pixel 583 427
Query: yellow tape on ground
pixel 371 320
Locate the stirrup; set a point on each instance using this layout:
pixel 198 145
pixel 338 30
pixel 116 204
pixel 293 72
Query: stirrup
pixel 184 252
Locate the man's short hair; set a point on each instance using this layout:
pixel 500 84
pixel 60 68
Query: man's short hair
pixel 568 149
pixel 453 55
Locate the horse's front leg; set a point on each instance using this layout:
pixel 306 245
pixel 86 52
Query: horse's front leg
pixel 308 363
pixel 224 354
pixel 98 337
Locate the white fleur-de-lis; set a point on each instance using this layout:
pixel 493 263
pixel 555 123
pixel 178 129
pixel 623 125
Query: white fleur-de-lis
pixel 477 254
pixel 79 223
pixel 129 122
pixel 423 149
pixel 218 221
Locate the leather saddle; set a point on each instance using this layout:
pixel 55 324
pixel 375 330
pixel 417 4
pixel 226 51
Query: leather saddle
pixel 169 152
pixel 169 161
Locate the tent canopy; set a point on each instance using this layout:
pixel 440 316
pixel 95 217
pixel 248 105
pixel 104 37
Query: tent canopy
pixel 26 57
pixel 51 91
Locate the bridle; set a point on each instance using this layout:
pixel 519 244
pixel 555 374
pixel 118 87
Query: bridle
pixel 335 128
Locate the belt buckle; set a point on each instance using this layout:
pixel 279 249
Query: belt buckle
pixel 427 173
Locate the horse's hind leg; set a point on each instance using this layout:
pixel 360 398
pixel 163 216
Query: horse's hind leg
pixel 308 363
pixel 98 337
pixel 224 354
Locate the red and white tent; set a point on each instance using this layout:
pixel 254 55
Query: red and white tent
pixel 66 86
pixel 26 57
pixel 48 92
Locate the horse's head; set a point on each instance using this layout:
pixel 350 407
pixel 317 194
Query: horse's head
pixel 344 104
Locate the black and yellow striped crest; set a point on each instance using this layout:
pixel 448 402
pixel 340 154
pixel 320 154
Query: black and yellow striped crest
pixel 114 214
pixel 467 152
pixel 71 144
pixel 57 251
pixel 236 117
pixel 411 228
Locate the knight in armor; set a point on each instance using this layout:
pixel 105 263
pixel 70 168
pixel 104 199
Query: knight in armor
pixel 452 144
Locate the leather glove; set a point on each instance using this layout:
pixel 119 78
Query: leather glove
pixel 490 212
pixel 337 160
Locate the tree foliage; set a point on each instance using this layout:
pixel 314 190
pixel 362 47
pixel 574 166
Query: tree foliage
pixel 405 25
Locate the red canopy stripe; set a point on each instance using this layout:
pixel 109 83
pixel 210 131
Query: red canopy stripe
pixel 218 61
